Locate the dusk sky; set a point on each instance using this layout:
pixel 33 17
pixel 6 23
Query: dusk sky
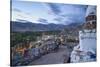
pixel 39 12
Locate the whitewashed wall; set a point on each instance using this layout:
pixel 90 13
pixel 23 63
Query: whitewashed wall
pixel 87 40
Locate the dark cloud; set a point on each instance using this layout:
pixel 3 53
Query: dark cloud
pixel 55 8
pixel 58 19
pixel 84 7
pixel 68 13
pixel 16 9
pixel 43 20
pixel 21 20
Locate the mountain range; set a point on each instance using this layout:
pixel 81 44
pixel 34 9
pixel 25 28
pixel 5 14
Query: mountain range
pixel 18 26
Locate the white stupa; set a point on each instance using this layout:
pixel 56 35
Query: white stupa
pixel 86 50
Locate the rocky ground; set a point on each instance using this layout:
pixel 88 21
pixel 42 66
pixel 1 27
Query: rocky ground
pixel 56 57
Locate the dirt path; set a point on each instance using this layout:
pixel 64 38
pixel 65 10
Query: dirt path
pixel 52 58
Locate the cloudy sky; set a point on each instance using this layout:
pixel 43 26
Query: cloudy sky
pixel 45 13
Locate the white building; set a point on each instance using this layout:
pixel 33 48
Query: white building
pixel 86 50
pixel 87 40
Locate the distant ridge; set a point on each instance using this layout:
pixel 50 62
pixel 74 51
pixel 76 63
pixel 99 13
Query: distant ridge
pixel 18 26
